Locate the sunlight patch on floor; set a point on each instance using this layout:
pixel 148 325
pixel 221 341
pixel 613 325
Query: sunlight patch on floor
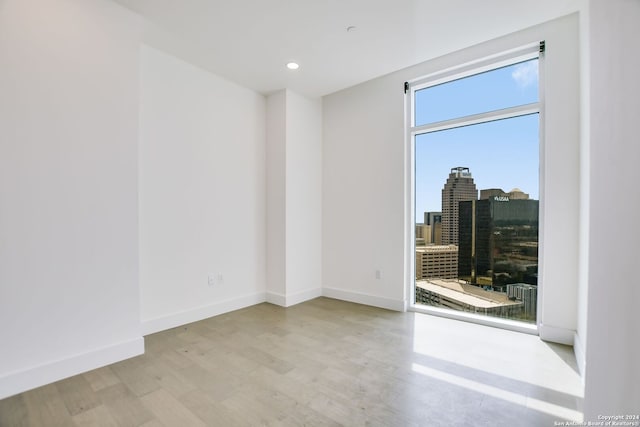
pixel 549 408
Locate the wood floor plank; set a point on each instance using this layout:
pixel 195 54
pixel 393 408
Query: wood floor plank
pixel 266 359
pixel 13 411
pixel 95 417
pixel 293 406
pixel 101 378
pixel 132 373
pixel 125 407
pixel 46 408
pixel 303 391
pixel 211 411
pixel 216 383
pixel 167 408
pixel 347 415
pixel 77 394
pixel 169 379
pixel 225 357
pixel 254 411
pixel 153 423
pixel 174 358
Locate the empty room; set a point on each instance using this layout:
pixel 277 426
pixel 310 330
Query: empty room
pixel 302 212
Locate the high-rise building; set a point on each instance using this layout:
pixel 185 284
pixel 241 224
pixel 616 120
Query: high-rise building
pixel 433 220
pixel 437 233
pixel 528 294
pixel 437 261
pixel 498 241
pixel 459 187
pixel 423 235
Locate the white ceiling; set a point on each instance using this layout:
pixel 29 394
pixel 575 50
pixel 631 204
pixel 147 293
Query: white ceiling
pixel 250 41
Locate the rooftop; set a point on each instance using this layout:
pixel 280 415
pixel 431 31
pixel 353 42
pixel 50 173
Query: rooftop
pixel 467 294
pixel 437 248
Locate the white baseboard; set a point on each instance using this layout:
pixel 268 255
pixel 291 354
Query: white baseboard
pixel 276 299
pixel 578 351
pixel 27 379
pixel 293 299
pixel 302 296
pixel 555 334
pixel 366 299
pixel 174 320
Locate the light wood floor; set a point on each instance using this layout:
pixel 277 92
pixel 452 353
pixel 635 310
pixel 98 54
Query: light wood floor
pixel 323 362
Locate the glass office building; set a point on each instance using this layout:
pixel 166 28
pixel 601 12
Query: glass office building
pixel 498 242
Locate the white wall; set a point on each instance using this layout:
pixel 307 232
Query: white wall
pixel 276 197
pixel 294 218
pixel 612 376
pixel 69 299
pixel 580 339
pixel 363 180
pixel 560 177
pixel 304 198
pixel 363 193
pixel 202 193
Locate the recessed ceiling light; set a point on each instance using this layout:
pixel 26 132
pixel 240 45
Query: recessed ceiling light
pixel 293 65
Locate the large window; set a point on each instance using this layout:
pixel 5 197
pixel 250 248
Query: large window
pixel 475 148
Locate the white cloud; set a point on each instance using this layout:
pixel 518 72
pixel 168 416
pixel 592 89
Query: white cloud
pixel 525 74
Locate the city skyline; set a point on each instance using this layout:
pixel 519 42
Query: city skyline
pixel 500 154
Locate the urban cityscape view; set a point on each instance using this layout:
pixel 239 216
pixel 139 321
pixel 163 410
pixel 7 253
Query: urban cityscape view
pixel 476 168
pixel 479 253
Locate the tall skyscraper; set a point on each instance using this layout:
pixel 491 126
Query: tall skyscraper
pixel 498 242
pixel 459 187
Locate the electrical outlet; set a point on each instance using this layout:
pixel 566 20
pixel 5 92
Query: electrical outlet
pixel 215 279
pixel 378 274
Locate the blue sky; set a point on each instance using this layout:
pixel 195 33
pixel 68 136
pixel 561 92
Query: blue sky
pixel 500 154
